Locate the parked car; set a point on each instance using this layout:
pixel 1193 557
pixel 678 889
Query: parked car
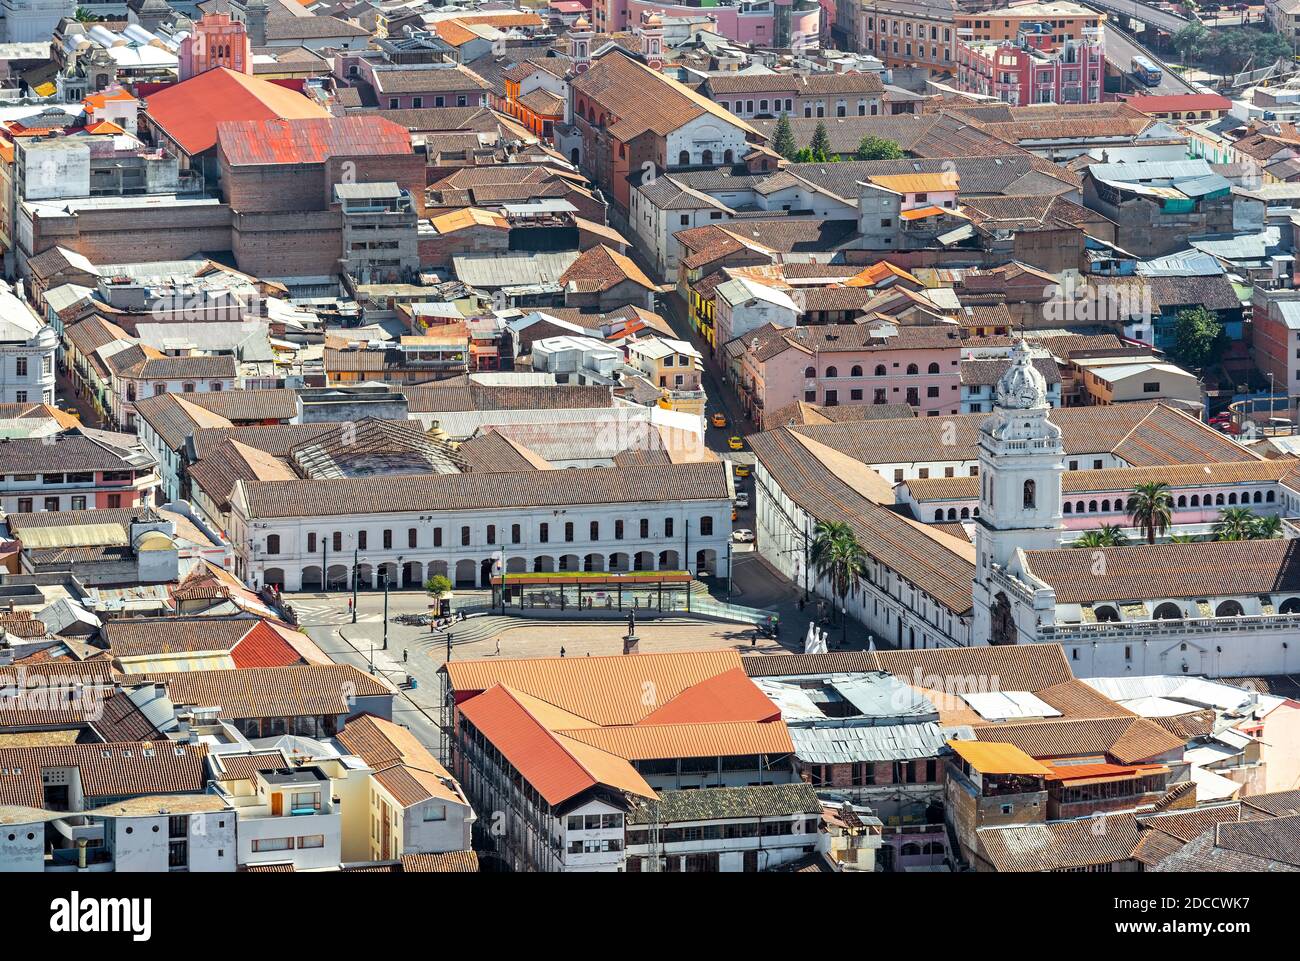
pixel 742 536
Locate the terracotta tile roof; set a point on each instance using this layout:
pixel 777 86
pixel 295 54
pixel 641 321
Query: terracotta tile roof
pixel 273 691
pixel 66 451
pixel 802 85
pixel 730 695
pixel 1197 570
pixel 401 763
pixel 1143 435
pixel 449 862
pixel 1277 804
pixel 264 646
pixel 641 99
pixel 450 492
pixel 1055 845
pixel 445 398
pixel 648 741
pixel 1190 824
pixel 1126 739
pixel 557 767
pixel 604 690
pixel 190 111
pixel 174 419
pixel 249 405
pixel 112 770
pixel 241 767
pixel 143 636
pixel 599 269
pixel 926 558
pixel 716 804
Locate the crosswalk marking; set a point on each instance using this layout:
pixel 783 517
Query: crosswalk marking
pixel 310 614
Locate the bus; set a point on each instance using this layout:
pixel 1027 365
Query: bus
pixel 1146 71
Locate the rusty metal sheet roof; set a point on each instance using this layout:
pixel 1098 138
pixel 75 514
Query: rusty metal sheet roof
pixel 309 141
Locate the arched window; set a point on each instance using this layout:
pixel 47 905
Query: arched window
pixel 832 371
pixel 810 372
pixel 1196 500
pixel 273 544
pixel 1218 499
pixel 1092 507
pixel 1229 609
pixel 706 157
pixel 880 370
pixel 1030 491
pixel 684 158
pixel 1259 496
pixel 952 513
pixel 934 368
pixel 913 369
pixel 938 515
pixel 1067 508
pixel 1106 614
pixel 856 371
pixel 1290 606
pixel 1270 497
pixel 1168 611
pixel 1105 507
pixel 965 513
pixel 1182 500
pixel 1232 498
pixel 728 157
pixel 1078 507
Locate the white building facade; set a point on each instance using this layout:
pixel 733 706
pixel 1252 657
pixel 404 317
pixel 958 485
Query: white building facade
pixel 670 518
pixel 27 349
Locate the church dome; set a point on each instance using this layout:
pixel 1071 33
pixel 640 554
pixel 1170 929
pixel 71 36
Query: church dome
pixel 1022 387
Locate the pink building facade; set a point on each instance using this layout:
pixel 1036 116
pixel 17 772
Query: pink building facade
pixel 1021 74
pixel 217 41
pixel 842 364
pixel 758 22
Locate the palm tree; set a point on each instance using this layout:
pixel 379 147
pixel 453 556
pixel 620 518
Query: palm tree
pixel 1107 535
pixel 1267 528
pixel 837 556
pixel 1150 508
pixel 1234 524
pixel 1182 538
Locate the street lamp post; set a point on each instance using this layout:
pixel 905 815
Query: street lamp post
pixel 385 613
pixel 356 576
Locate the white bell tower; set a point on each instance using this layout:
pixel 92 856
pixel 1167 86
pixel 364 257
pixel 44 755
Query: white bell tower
pixel 1020 455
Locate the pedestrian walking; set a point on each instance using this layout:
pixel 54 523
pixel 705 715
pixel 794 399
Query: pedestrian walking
pixel 403 655
pixel 498 647
pixel 561 652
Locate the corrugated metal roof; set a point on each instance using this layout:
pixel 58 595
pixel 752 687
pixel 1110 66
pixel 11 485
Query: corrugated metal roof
pixel 74 535
pixel 309 141
pixel 851 745
pixel 994 757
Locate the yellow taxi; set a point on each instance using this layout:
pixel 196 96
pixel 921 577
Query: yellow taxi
pixel 734 515
pixel 735 443
pixel 742 470
pixel 719 420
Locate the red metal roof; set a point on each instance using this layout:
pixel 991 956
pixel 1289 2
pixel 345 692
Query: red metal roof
pixel 309 141
pixel 264 647
pixel 190 111
pixel 730 696
pixel 1179 101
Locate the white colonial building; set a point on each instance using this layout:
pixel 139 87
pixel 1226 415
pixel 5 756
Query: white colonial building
pixel 401 530
pixel 1220 608
pixel 27 348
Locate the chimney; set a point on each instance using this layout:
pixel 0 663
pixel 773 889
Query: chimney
pixel 631 642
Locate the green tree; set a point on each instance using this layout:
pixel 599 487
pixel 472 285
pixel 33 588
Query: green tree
pixel 878 148
pixel 1198 337
pixel 838 557
pixel 1192 40
pixel 1267 528
pixel 821 144
pixel 1150 508
pixel 1235 524
pixel 1107 535
pixel 82 15
pixel 783 143
pixel 1183 538
pixel 437 585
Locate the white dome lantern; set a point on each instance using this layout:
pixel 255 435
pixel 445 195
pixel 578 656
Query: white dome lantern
pixel 1022 386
